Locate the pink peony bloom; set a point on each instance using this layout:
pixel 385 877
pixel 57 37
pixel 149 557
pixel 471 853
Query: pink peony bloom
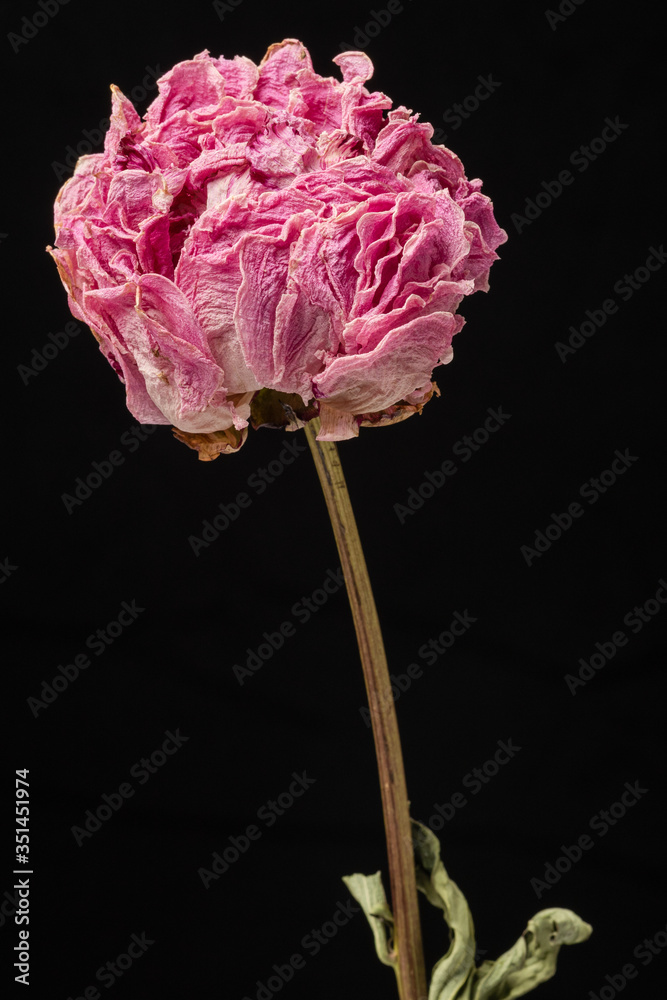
pixel 264 227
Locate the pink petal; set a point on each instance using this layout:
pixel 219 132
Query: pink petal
pixel 130 199
pixel 354 66
pixel 209 275
pixel 240 75
pixel 154 247
pixel 124 119
pixel 402 362
pixel 361 113
pixel 324 256
pixel 317 99
pixel 336 425
pixel 264 262
pixel 281 152
pixel 80 193
pixel 154 323
pixel 277 70
pixel 302 332
pixel 192 84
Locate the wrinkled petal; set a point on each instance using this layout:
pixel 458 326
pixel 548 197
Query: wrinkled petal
pixel 180 375
pixel 264 262
pixel 240 75
pixel 124 120
pixel 402 361
pixel 209 446
pixel 194 84
pixel 277 70
pixel 354 66
pixel 336 425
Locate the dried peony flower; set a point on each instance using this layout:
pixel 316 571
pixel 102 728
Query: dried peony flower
pixel 266 228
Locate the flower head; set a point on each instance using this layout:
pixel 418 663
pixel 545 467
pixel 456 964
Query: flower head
pixel 266 228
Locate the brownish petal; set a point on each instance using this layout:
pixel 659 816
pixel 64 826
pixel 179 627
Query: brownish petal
pixel 399 411
pixel 211 445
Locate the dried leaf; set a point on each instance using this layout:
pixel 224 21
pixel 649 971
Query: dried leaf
pixel 530 961
pixel 369 893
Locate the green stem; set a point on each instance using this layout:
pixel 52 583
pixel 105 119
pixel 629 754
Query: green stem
pixel 410 969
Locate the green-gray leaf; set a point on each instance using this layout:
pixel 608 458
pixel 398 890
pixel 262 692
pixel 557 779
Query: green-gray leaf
pixel 529 962
pixel 369 893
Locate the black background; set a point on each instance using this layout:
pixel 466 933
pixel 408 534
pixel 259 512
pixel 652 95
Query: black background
pixel 504 679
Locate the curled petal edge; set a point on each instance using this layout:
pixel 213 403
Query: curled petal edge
pixel 209 446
